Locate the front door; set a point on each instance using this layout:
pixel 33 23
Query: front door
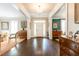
pixel 39 28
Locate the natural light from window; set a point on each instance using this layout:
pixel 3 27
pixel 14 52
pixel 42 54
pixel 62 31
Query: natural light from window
pixel 14 26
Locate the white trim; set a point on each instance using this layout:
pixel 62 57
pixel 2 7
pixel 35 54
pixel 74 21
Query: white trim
pixel 57 7
pixel 24 10
pixel 12 18
pixel 35 21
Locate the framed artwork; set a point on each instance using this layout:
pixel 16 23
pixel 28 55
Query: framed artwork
pixel 23 24
pixel 4 25
pixel 56 24
pixel 76 13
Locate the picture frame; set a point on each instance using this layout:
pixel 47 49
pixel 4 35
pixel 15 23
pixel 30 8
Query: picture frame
pixel 4 25
pixel 76 16
pixel 23 24
pixel 56 25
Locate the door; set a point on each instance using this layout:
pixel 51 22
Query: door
pixel 39 28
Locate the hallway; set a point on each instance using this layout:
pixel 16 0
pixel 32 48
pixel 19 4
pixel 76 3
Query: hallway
pixel 35 47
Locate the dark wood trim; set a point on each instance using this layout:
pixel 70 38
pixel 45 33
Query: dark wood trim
pixel 39 37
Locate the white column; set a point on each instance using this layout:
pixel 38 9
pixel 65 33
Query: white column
pixel 28 29
pixel 50 28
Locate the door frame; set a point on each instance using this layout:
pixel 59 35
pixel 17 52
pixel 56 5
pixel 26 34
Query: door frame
pixel 43 21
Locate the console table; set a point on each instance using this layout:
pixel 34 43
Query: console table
pixel 56 34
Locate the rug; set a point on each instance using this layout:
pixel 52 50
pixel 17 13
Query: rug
pixel 6 46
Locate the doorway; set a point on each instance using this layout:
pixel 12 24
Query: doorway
pixel 39 28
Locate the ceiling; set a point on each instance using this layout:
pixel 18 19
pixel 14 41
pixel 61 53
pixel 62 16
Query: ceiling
pixel 7 10
pixel 38 9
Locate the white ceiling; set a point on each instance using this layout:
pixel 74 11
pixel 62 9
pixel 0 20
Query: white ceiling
pixel 7 10
pixel 34 9
pixel 38 10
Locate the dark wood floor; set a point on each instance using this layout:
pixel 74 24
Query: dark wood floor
pixel 35 47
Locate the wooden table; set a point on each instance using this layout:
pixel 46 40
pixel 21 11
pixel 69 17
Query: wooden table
pixel 68 47
pixel 56 34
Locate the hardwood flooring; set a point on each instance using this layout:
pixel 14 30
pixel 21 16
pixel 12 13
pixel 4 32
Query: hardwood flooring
pixel 35 47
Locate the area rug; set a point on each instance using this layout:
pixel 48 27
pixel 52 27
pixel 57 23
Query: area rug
pixel 6 46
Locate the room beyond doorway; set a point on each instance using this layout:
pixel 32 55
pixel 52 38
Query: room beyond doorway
pixel 39 28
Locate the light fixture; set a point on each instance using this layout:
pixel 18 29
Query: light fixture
pixel 39 7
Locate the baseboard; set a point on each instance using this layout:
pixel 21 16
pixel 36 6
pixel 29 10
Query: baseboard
pixel 39 37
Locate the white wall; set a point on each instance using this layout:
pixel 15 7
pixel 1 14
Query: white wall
pixel 8 10
pixel 62 14
pixel 71 20
pixel 9 13
pixel 60 11
pixel 17 23
pixel 4 30
pixel 50 28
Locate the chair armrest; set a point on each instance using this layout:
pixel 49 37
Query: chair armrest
pixel 12 36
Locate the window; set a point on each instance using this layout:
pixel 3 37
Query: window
pixel 14 26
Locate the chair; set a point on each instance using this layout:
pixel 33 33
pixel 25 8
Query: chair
pixel 22 34
pixel 12 36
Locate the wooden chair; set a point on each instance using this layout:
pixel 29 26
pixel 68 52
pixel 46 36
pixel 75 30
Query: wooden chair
pixel 12 36
pixel 22 34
